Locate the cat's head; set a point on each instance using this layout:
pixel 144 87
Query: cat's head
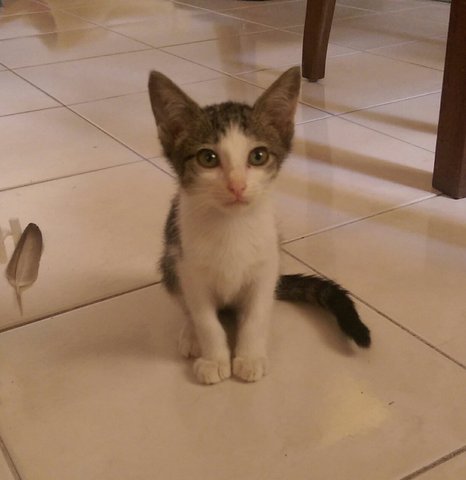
pixel 228 153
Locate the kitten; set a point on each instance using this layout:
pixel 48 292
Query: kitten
pixel 221 239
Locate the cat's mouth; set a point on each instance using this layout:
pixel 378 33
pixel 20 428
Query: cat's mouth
pixel 236 202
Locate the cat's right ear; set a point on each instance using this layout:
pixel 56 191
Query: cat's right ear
pixel 173 109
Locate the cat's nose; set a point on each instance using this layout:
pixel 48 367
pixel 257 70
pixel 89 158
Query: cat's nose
pixel 237 188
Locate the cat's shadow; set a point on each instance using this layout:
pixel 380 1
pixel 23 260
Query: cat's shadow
pixel 156 341
pixel 324 323
pixel 316 319
pixel 326 327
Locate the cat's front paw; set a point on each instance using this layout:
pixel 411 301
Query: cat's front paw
pixel 250 369
pixel 211 371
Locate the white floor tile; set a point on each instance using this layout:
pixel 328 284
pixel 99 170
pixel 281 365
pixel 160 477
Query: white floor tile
pixel 219 5
pixel 369 80
pixel 408 263
pixel 38 23
pixel 288 13
pixel 96 78
pixel 345 11
pixel 114 12
pixel 434 11
pixel 160 32
pixel 17 96
pixel 429 53
pixel 136 128
pixel 382 30
pixel 244 53
pixel 413 121
pixel 333 50
pixel 386 5
pixel 280 15
pixel 322 400
pixel 62 46
pixel 19 7
pixel 102 235
pixel 53 143
pixel 340 172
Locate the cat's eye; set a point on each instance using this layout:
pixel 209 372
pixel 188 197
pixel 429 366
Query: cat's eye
pixel 258 156
pixel 207 158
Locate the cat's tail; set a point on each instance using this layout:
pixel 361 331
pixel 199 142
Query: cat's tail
pixel 329 295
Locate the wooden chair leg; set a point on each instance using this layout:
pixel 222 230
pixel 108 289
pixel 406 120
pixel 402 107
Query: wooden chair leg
pixel 450 156
pixel 319 16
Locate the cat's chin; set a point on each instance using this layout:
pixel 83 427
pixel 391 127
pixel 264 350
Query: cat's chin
pixel 232 207
pixel 236 204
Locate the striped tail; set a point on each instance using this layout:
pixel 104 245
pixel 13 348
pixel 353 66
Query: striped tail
pixel 329 295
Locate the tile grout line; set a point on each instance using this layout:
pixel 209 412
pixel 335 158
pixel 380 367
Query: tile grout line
pixel 28 111
pixel 436 463
pixel 60 312
pixel 94 25
pixel 386 316
pixel 77 174
pixel 238 76
pixel 223 72
pixel 235 76
pixel 242 7
pixel 406 42
pixel 40 34
pixel 388 102
pixel 361 219
pixel 232 75
pixel 240 34
pixel 109 28
pixel 77 307
pixel 142 158
pixel 68 60
pixel 68 107
pixel 9 460
pixel 409 62
pixel 384 133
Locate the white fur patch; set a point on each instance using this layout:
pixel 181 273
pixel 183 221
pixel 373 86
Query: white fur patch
pixel 234 148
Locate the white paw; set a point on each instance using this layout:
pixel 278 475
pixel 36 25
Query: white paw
pixel 188 345
pixel 211 371
pixel 250 369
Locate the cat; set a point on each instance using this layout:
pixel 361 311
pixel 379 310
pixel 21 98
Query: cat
pixel 221 239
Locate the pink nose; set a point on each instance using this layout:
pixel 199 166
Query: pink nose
pixel 236 188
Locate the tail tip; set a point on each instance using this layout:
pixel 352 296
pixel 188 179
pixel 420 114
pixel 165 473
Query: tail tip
pixel 363 337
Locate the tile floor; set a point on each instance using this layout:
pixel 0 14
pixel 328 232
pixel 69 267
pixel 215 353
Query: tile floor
pixel 91 384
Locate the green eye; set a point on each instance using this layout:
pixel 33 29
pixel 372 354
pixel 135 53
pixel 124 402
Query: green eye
pixel 258 157
pixel 207 158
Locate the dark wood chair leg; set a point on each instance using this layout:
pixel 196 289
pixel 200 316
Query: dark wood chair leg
pixel 450 155
pixel 319 16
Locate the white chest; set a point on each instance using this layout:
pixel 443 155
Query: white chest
pixel 225 254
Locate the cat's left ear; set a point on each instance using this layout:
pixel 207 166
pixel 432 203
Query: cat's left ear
pixel 277 105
